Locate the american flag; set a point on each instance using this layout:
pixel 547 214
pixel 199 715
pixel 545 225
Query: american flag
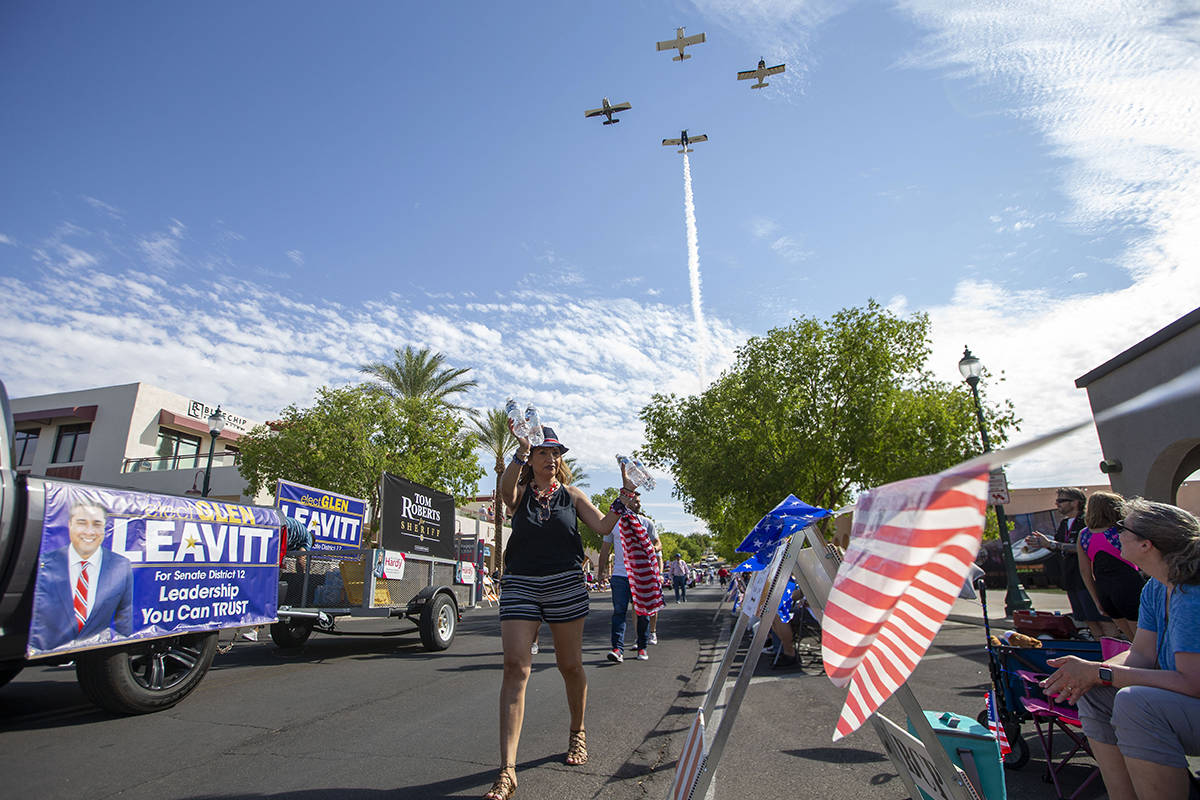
pixel 911 545
pixel 691 761
pixel 995 727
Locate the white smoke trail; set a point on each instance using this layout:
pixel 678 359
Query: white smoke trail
pixel 693 243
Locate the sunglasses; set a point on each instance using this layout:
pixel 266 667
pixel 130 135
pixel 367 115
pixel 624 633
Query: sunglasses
pixel 1121 524
pixel 1065 500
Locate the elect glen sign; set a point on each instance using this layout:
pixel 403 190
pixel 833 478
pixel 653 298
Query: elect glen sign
pixel 416 519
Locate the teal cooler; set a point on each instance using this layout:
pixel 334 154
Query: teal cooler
pixel 973 748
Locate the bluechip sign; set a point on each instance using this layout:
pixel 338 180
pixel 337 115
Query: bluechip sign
pixel 416 519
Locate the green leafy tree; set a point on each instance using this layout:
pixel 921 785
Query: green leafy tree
pixel 419 374
pixel 493 435
pixel 818 409
pixel 351 435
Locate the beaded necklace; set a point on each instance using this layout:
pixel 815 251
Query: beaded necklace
pixel 542 498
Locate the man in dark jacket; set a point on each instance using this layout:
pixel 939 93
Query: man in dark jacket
pixel 1070 502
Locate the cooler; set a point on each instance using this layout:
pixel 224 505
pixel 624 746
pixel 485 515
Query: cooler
pixel 973 748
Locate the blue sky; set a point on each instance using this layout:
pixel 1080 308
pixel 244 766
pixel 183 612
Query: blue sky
pixel 248 201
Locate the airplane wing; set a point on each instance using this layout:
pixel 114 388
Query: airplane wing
pixel 621 107
pixel 747 75
pixel 595 112
pixel 774 70
pixel 669 44
pixel 674 142
pixel 697 39
pixel 701 138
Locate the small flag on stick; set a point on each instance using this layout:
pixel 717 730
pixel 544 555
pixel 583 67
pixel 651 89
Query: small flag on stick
pixel 995 727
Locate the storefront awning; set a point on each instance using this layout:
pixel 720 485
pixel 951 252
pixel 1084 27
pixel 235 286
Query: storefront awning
pixel 180 421
pixel 49 415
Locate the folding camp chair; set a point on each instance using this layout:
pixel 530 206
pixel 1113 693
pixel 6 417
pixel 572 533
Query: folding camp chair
pixel 489 592
pixel 1049 716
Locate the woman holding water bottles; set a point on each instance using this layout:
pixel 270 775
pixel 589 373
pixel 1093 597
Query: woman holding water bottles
pixel 543 582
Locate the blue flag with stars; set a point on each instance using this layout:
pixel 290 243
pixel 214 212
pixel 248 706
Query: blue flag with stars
pixel 785 605
pixel 780 522
pixel 752 564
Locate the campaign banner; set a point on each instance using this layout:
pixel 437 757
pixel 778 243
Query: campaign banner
pixel 465 573
pixel 334 520
pixel 416 519
pixel 118 566
pixel 389 564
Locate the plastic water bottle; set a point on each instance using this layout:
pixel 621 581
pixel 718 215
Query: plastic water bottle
pixel 534 424
pixel 519 427
pixel 636 472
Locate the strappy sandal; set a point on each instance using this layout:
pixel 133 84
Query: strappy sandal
pixel 577 748
pixel 505 784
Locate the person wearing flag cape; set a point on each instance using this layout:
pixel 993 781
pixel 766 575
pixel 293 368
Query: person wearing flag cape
pixel 637 559
pixel 543 581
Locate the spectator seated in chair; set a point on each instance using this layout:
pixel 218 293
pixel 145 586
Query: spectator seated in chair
pixel 1140 709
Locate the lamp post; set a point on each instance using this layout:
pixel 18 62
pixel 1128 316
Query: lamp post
pixel 216 422
pixel 971 369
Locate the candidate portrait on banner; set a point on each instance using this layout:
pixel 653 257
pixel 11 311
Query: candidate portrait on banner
pixel 84 591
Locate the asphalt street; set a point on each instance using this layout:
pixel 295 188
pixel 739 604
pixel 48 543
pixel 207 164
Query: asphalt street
pixel 371 716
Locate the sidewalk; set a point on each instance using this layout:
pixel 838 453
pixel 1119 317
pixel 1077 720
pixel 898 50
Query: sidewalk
pixel 971 611
pixel 781 743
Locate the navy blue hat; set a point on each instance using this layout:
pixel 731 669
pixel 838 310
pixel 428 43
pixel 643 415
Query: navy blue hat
pixel 552 440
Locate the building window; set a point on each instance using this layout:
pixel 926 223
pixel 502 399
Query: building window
pixel 177 450
pixel 24 447
pixel 72 443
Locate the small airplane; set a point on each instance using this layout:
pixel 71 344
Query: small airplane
pixel 679 42
pixel 607 109
pixel 684 140
pixel 760 73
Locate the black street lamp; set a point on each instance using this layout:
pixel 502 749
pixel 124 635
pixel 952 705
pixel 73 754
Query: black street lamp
pixel 971 369
pixel 216 422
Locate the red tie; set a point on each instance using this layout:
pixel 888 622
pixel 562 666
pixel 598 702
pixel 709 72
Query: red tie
pixel 81 596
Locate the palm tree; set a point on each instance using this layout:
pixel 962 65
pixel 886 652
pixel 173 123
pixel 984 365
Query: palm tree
pixel 493 435
pixel 419 374
pixel 578 476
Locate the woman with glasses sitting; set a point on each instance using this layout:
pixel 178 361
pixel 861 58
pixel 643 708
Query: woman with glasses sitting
pixel 1141 709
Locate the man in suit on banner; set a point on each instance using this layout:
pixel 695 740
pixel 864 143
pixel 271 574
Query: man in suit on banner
pixel 84 591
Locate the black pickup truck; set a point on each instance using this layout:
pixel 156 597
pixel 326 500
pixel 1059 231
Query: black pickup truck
pixel 130 677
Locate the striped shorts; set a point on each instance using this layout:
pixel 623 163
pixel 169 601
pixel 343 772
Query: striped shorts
pixel 562 597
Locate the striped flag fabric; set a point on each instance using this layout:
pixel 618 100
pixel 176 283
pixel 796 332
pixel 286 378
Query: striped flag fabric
pixel 691 761
pixel 995 727
pixel 911 545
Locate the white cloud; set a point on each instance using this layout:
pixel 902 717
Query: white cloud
pixel 763 228
pixel 6 240
pixel 590 362
pixel 778 30
pixel 296 256
pixel 100 205
pixel 790 249
pixel 1113 92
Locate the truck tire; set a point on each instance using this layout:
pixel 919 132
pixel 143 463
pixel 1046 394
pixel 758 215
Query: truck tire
pixel 439 620
pixel 8 672
pixel 292 633
pixel 146 677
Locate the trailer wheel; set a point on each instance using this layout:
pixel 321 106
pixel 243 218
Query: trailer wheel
pixel 8 672
pixel 292 633
pixel 439 619
pixel 141 678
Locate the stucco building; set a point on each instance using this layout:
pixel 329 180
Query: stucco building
pixel 133 436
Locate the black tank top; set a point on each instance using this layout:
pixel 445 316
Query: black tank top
pixel 544 548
